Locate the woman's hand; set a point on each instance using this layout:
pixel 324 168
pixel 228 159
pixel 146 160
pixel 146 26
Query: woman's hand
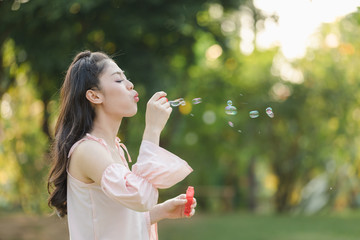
pixel 175 207
pixel 157 113
pixel 171 209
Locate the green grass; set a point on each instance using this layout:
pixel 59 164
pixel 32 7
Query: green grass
pixel 262 227
pixel 243 226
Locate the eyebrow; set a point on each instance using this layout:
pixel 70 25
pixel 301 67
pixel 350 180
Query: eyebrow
pixel 118 73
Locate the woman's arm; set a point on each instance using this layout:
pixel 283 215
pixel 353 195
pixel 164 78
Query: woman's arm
pixel 136 189
pixel 94 164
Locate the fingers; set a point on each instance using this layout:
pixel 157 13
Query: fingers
pixel 181 196
pixel 164 102
pixel 194 203
pixel 179 202
pixel 160 98
pixel 168 108
pixel 192 213
pixel 158 95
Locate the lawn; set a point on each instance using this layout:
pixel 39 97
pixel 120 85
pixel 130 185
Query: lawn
pixel 205 226
pixel 262 227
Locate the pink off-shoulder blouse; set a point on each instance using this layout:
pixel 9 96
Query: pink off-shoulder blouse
pixel 119 207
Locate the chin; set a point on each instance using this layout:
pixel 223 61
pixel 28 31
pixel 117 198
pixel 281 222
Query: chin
pixel 131 114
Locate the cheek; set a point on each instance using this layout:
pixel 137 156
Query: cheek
pixel 118 101
pixel 111 97
pixel 114 93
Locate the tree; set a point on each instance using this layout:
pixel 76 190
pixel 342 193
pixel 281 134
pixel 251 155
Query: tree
pixel 152 41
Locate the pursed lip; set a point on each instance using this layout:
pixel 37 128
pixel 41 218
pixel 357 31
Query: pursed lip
pixel 136 97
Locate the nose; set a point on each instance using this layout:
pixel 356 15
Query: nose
pixel 130 85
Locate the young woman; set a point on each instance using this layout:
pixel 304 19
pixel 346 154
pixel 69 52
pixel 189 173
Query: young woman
pixel 90 180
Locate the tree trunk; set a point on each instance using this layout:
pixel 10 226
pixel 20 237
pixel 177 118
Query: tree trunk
pixel 283 193
pixel 252 201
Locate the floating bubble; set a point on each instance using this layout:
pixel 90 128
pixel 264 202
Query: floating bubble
pixel 269 112
pixel 177 102
pixel 231 124
pixel 239 131
pixel 254 114
pixel 196 100
pixel 230 110
pixel 191 114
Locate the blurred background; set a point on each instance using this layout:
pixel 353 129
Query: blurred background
pixel 293 176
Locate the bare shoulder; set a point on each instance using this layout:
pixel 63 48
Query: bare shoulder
pixel 89 146
pixel 89 160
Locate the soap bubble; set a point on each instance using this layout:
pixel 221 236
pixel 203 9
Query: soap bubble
pixel 229 109
pixel 231 124
pixel 177 102
pixel 269 112
pixel 254 114
pixel 196 100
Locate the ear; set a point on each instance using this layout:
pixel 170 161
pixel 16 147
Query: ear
pixel 94 96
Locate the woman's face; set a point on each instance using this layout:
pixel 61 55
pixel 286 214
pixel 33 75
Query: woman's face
pixel 119 98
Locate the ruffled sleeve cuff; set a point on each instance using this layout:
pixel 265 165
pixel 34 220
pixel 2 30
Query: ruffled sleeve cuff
pixel 160 167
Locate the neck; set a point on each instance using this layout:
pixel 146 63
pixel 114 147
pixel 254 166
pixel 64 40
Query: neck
pixel 106 128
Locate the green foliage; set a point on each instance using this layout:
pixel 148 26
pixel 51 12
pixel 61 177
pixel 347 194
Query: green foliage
pixel 24 146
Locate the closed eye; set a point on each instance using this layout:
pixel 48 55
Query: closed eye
pixel 119 81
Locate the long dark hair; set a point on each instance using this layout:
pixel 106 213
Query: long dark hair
pixel 75 120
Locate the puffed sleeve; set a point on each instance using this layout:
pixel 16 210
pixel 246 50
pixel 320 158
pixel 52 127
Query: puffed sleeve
pixel 161 167
pixel 137 189
pixel 133 191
